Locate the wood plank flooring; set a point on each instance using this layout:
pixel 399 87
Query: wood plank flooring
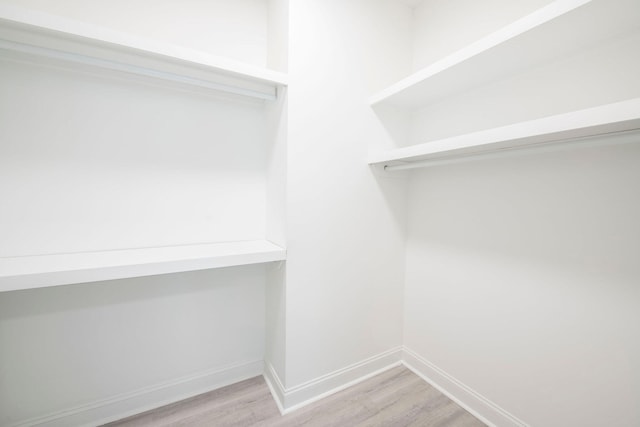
pixel 394 398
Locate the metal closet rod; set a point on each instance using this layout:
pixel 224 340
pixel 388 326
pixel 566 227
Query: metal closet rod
pixel 540 147
pixel 132 69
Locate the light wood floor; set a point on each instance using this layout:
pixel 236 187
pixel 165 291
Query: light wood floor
pixel 396 397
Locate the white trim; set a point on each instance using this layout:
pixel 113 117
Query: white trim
pixel 499 54
pixel 38 271
pixel 132 403
pixel 290 399
pixel 275 385
pixel 49 37
pixel 287 399
pixel 473 402
pixel 565 128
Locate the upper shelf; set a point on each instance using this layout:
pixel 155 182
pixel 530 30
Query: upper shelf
pixel 33 36
pixel 28 272
pixel 606 119
pixel 560 28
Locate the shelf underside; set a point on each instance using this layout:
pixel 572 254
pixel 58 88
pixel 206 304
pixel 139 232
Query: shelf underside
pixel 611 118
pixel 562 28
pixel 27 272
pixel 51 40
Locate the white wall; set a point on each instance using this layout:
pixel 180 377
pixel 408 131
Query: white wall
pixel 522 272
pixel 276 231
pixel 344 227
pixel 275 346
pixel 278 35
pixel 583 78
pixel 90 163
pixel 233 29
pixel 69 346
pixel 522 282
pixel 444 26
pixel 601 75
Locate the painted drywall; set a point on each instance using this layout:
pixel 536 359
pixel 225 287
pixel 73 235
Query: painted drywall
pixel 277 119
pixel 68 346
pixel 444 26
pixel 232 29
pixel 92 163
pixel 587 78
pixel 344 226
pixel 276 232
pixel 522 282
pixel 522 273
pixel 278 35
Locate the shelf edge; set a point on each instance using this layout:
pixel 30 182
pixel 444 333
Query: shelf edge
pixel 535 19
pixel 236 255
pixel 45 25
pixel 615 117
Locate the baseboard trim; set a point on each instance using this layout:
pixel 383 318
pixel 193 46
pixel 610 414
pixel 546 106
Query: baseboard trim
pixel 127 404
pixel 287 399
pixel 290 399
pixel 473 402
pixel 275 386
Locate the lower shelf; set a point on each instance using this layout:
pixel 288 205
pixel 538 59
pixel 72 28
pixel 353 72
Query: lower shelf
pixel 28 272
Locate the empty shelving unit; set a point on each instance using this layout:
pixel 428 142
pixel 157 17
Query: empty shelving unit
pixel 82 57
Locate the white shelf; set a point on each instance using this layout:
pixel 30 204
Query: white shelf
pixel 30 272
pixel 559 29
pixel 606 119
pixel 44 38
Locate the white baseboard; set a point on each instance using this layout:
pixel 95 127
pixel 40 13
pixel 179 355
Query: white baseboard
pixel 287 399
pixel 127 404
pixel 274 383
pixel 478 405
pixel 290 399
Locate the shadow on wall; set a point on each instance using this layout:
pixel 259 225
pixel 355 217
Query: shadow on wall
pixel 86 296
pixel 575 207
pixel 528 267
